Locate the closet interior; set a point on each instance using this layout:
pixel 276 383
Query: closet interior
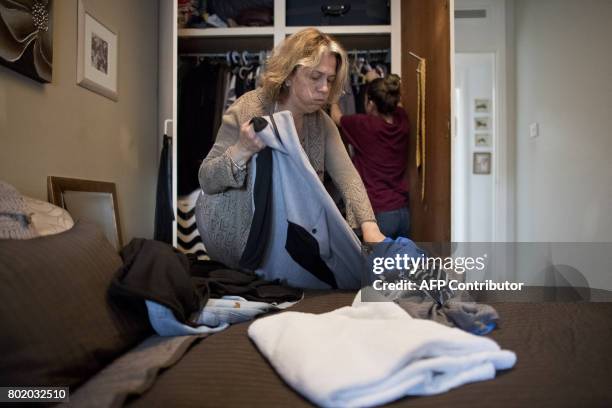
pixel 215 60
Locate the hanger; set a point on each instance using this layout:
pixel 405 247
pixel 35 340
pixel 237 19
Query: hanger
pixel 415 56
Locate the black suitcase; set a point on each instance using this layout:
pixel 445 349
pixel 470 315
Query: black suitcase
pixel 318 13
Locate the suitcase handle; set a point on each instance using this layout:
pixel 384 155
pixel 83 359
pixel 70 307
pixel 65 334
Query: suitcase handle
pixel 335 10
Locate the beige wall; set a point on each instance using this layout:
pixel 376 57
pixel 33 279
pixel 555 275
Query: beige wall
pixel 65 130
pixel 564 83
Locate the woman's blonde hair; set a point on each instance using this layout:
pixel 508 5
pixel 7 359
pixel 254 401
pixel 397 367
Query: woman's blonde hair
pixel 304 48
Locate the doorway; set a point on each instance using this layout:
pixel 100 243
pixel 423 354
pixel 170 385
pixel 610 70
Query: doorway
pixel 473 148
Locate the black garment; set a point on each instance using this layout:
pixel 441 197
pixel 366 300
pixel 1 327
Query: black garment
pixel 360 93
pixel 303 248
pixel 259 234
pixel 240 86
pixel 200 107
pixel 223 282
pixel 163 204
pixel 153 271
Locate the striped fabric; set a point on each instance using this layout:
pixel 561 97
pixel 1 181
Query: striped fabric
pixel 188 237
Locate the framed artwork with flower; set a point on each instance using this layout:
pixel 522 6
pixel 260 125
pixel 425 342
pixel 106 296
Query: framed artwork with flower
pixel 98 51
pixel 26 37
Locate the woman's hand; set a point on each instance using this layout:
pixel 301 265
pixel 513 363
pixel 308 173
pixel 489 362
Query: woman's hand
pixel 371 233
pixel 247 145
pixel 371 75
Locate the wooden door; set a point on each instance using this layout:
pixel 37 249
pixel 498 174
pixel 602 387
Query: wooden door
pixel 426 33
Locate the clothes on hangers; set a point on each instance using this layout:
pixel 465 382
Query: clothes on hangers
pixel 360 62
pixel 207 86
pixel 200 107
pixel 347 100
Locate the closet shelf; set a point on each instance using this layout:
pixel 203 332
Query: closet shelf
pixel 225 32
pixel 365 29
pixel 269 31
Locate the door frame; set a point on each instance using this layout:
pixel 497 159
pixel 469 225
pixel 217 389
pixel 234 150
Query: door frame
pixel 501 12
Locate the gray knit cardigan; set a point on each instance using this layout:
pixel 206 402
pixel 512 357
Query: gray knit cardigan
pixel 224 210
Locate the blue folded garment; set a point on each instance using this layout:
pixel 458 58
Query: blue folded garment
pixel 418 272
pixel 165 324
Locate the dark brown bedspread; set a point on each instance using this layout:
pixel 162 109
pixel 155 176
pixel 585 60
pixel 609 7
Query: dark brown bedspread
pixel 564 355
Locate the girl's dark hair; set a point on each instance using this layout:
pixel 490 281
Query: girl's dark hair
pixel 385 93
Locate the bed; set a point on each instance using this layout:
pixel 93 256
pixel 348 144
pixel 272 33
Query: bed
pixel 563 349
pixel 60 328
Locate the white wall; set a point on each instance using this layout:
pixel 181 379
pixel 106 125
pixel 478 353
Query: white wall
pixel 65 130
pixel 558 74
pixel 564 83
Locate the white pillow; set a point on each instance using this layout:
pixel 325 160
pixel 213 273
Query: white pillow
pixel 48 219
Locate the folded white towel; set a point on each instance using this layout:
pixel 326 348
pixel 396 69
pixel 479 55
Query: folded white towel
pixel 373 353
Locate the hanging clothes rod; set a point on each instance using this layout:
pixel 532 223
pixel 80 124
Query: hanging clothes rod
pixel 217 54
pixel 357 52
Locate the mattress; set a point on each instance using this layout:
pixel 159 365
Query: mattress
pixel 563 349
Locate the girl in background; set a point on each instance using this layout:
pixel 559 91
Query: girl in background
pixel 380 141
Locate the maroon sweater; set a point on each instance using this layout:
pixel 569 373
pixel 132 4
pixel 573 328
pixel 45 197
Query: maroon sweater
pixel 381 155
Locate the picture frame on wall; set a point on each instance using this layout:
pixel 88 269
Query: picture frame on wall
pixel 482 105
pixel 482 163
pixel 26 38
pixel 97 56
pixel 483 123
pixel 482 139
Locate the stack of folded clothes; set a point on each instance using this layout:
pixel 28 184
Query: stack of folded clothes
pixel 372 353
pixel 188 296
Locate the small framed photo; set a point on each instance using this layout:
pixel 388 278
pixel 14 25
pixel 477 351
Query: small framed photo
pixel 482 123
pixel 98 50
pixel 482 105
pixel 482 163
pixel 482 139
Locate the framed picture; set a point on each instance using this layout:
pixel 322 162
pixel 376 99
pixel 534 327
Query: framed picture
pixel 88 200
pixel 482 139
pixel 482 123
pixel 482 105
pixel 98 50
pixel 26 37
pixel 482 163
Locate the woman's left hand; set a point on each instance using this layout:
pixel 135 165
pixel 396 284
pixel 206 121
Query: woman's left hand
pixel 371 75
pixel 371 232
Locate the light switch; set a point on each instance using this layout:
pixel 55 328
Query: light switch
pixel 534 130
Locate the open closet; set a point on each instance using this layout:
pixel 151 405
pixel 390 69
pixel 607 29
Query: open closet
pixel 214 65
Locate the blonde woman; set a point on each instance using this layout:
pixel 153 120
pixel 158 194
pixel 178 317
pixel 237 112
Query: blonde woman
pixel 304 73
